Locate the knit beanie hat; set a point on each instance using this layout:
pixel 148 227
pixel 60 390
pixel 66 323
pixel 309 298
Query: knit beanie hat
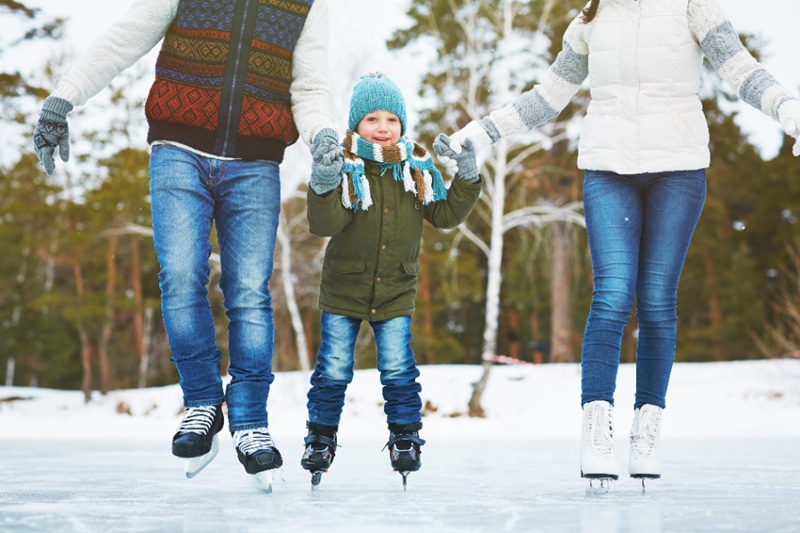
pixel 376 92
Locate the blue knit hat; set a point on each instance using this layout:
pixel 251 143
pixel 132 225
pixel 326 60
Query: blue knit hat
pixel 376 92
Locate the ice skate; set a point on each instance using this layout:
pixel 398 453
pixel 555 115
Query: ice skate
pixel 258 454
pixel 645 462
pixel 404 449
pixel 320 451
pixel 598 462
pixel 197 440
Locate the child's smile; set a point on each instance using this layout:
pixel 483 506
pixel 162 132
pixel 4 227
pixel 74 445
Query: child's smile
pixel 380 127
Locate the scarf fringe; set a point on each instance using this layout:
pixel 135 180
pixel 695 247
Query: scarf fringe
pixel 407 161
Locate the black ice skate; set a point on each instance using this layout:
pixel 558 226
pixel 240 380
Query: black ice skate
pixel 320 450
pixel 258 454
pixel 196 440
pixel 404 448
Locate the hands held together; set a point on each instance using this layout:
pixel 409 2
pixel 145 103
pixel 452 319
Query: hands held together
pixel 326 167
pixel 458 154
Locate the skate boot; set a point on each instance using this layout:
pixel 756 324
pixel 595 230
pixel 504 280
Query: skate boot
pixel 258 454
pixel 644 459
pixel 320 451
pixel 404 448
pixel 597 445
pixel 196 439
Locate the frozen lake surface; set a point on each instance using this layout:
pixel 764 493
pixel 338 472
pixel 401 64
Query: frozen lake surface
pixel 497 485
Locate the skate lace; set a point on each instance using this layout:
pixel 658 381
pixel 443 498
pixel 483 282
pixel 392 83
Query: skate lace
pixel 645 434
pixel 601 430
pixel 198 420
pixel 253 440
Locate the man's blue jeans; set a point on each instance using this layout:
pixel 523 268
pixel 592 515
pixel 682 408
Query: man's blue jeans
pixel 639 228
pixel 334 369
pixel 189 192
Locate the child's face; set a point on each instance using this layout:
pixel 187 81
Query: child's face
pixel 380 127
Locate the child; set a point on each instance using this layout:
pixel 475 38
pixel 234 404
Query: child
pixel 389 184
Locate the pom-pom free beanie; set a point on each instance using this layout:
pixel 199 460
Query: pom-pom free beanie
pixel 376 92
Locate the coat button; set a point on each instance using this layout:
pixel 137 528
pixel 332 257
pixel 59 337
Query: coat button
pixel 378 280
pixel 374 311
pixel 383 246
pixel 386 210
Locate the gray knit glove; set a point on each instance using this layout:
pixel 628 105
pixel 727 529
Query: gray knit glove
pixel 459 158
pixel 328 161
pixel 52 132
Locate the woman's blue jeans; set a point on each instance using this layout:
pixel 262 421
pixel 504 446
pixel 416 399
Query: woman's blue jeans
pixel 639 228
pixel 334 369
pixel 189 192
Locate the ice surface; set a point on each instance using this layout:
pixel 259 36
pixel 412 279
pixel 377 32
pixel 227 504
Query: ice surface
pixel 730 437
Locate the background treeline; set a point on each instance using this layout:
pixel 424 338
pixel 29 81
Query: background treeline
pixel 79 297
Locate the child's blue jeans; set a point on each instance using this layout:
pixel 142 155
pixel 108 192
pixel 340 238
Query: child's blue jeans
pixel 334 369
pixel 639 228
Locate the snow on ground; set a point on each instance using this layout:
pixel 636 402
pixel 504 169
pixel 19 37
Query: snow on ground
pixel 730 438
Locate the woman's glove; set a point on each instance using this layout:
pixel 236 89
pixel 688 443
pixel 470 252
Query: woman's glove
pixel 789 115
pixel 52 131
pixel 328 161
pixel 459 157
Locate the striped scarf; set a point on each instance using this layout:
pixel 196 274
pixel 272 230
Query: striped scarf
pixel 420 177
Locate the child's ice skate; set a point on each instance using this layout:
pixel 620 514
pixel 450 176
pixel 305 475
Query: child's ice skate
pixel 258 454
pixel 404 448
pixel 320 451
pixel 597 446
pixel 196 439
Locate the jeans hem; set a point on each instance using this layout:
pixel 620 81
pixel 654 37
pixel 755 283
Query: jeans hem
pixel 203 403
pixel 248 426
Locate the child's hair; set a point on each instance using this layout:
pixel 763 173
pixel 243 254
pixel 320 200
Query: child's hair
pixel 590 11
pixel 376 92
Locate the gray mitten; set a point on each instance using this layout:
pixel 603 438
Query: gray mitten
pixel 328 161
pixel 52 132
pixel 459 157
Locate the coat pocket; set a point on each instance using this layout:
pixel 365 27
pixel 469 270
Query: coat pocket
pixel 411 267
pixel 346 265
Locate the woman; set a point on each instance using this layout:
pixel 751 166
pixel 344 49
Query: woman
pixel 644 149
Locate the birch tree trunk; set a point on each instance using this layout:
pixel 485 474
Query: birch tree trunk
pixel 289 293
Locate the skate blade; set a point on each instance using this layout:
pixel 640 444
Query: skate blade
pixel 599 484
pixel 195 465
pixel 263 480
pixel 316 477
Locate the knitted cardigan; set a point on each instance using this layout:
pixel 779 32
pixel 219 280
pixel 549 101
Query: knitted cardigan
pixel 223 77
pixel 202 97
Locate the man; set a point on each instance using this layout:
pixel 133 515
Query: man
pixel 237 81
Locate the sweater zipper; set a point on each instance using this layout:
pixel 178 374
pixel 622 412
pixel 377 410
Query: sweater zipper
pixel 234 80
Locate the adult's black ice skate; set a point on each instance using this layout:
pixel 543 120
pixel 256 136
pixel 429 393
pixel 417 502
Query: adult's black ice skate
pixel 196 439
pixel 320 451
pixel 404 448
pixel 258 455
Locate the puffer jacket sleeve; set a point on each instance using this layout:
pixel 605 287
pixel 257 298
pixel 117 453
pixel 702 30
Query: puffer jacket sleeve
pixel 461 198
pixel 326 214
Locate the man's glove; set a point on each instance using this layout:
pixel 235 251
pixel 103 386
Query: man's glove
pixel 458 156
pixel 789 115
pixel 328 161
pixel 52 132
